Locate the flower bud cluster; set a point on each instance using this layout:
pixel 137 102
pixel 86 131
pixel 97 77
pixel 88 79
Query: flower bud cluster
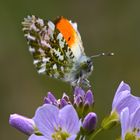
pixel 81 107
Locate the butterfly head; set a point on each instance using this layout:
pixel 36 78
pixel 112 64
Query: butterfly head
pixel 86 65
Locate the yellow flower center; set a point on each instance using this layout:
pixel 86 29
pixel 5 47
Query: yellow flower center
pixel 59 135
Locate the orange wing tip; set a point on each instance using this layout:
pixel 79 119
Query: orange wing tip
pixel 67 30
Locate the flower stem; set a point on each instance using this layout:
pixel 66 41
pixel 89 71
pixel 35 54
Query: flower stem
pixel 94 134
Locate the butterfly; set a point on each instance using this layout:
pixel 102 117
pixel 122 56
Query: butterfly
pixel 57 49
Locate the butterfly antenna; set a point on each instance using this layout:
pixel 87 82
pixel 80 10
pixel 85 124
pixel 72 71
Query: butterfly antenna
pixel 102 54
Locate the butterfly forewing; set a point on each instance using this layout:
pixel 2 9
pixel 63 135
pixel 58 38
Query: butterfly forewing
pixel 50 51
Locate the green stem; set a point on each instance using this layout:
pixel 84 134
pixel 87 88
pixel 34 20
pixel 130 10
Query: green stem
pixel 94 134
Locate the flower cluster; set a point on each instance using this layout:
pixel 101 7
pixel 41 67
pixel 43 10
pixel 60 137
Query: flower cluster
pixel 66 119
pixel 127 107
pixel 58 119
pixel 126 111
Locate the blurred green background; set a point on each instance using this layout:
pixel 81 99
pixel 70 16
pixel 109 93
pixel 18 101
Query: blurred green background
pixel 105 26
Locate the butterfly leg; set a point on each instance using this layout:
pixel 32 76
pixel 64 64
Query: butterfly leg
pixel 86 83
pixel 76 82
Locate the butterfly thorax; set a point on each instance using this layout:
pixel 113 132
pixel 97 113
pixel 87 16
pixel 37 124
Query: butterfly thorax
pixel 80 71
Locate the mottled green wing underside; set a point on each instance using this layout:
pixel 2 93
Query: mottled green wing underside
pixel 51 54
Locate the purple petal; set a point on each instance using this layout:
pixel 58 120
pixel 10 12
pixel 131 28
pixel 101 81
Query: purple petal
pixel 69 120
pixel 122 92
pixel 35 137
pixel 119 97
pixel 89 97
pixel 73 137
pixel 63 103
pixel 47 101
pixel 135 119
pixel 46 119
pixel 78 100
pixel 22 123
pixel 52 98
pixel 124 119
pixel 122 87
pixel 129 101
pixel 79 91
pixel 66 97
pixel 90 122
